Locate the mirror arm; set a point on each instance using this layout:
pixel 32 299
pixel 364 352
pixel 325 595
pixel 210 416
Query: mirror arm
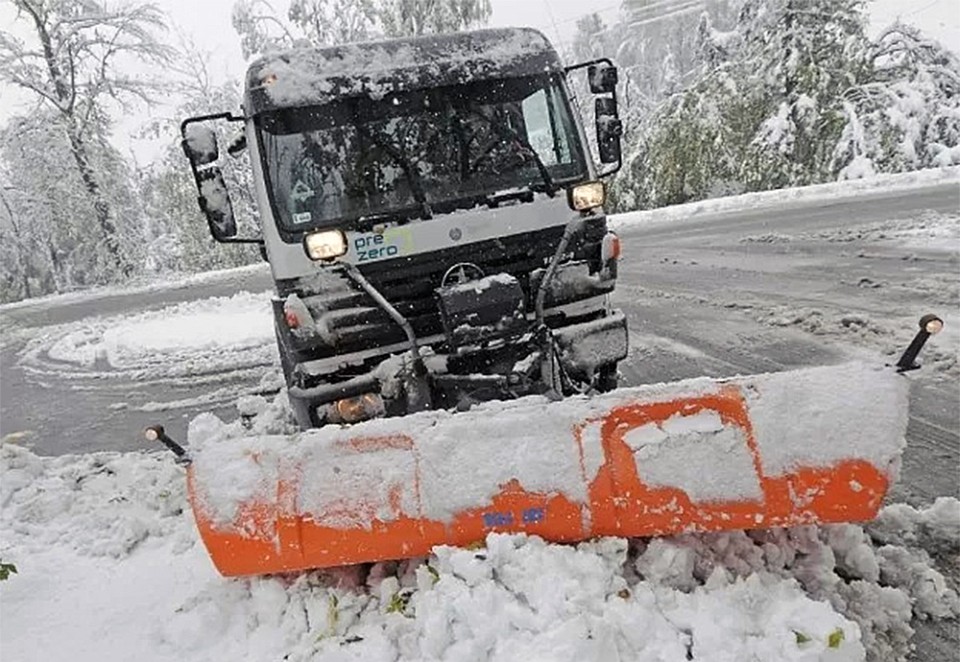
pixel 612 171
pixel 581 65
pixel 230 117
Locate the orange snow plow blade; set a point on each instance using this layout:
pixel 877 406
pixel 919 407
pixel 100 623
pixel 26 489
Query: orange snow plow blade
pixel 798 447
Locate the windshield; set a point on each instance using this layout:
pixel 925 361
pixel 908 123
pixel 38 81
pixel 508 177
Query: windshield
pixel 418 152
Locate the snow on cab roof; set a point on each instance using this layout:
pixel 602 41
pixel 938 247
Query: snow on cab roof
pixel 309 76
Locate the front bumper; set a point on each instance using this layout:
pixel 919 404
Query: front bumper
pixel 582 349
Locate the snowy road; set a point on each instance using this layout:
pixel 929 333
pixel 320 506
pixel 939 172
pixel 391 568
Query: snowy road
pixel 802 283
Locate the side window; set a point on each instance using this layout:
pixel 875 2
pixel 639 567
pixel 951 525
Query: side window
pixel 559 114
pixel 540 112
pixel 536 115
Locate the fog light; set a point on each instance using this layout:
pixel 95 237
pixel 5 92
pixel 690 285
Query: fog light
pixel 586 196
pixel 931 324
pixel 360 408
pixel 325 245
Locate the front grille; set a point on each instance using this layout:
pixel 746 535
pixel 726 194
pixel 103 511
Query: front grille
pixel 409 283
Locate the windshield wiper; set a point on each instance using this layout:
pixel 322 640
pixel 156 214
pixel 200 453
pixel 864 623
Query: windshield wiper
pixel 413 175
pixel 509 132
pixel 367 222
pixel 541 166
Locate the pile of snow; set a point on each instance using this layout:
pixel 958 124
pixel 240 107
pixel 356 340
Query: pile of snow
pixel 930 229
pixel 869 332
pixel 108 560
pixel 237 322
pixel 167 282
pixel 780 198
pixel 187 339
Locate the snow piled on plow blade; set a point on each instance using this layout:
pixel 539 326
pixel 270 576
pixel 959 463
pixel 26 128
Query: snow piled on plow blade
pixel 811 445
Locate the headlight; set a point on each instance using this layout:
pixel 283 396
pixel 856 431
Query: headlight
pixel 586 196
pixel 325 245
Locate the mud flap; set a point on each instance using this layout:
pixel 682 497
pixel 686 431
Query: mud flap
pixel 805 446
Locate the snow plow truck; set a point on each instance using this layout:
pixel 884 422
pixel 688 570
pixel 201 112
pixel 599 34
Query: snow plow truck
pixel 433 214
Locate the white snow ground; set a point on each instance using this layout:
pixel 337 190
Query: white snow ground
pixel 110 566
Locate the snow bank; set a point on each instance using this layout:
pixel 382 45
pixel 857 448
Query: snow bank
pixel 784 197
pixel 220 323
pixel 109 568
pixel 210 340
pixel 154 284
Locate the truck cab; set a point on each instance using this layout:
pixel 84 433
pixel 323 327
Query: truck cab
pixel 433 218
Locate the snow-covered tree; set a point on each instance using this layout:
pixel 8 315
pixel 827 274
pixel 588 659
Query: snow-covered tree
pixel 659 50
pixel 808 54
pixel 330 22
pixel 74 66
pixel 796 95
pixel 321 22
pixel 48 220
pixel 401 18
pixel 907 116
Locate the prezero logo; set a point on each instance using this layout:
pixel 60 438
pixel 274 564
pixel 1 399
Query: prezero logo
pixel 371 247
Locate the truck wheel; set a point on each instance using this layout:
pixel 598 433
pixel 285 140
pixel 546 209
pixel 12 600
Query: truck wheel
pixel 606 378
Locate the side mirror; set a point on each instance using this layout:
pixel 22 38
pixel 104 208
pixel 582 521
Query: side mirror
pixel 603 78
pixel 200 144
pixel 609 130
pixel 215 203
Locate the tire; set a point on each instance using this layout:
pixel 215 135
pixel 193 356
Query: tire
pixel 606 378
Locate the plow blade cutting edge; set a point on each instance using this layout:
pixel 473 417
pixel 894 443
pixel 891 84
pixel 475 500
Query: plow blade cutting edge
pixel 781 449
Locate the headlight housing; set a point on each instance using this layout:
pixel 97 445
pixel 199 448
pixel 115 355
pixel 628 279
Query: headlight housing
pixel 325 244
pixel 586 196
